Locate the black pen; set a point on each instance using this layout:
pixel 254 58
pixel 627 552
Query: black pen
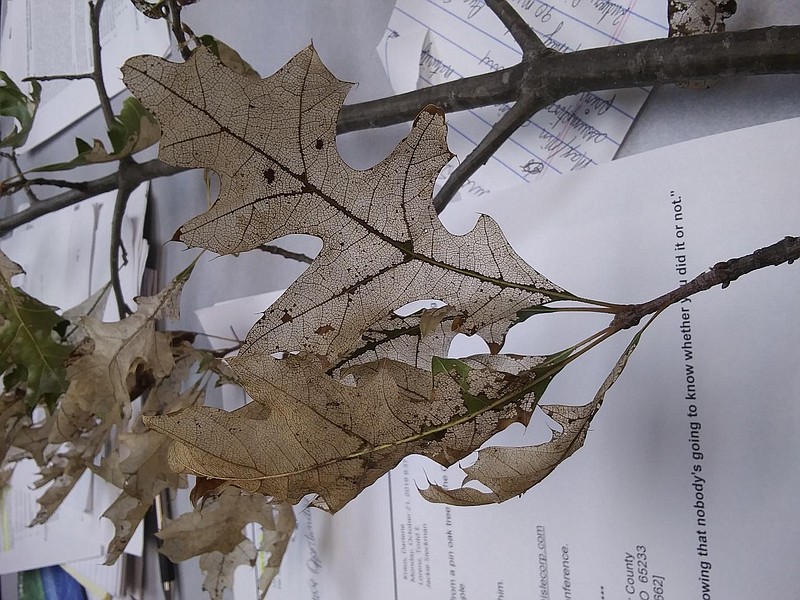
pixel 165 566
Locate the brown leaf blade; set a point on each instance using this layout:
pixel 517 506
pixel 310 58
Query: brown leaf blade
pixel 273 144
pixel 98 396
pixel 219 567
pixel 308 433
pixel 217 525
pixel 512 471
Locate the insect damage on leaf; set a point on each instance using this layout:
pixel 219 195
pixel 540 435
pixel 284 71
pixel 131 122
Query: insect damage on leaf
pixel 360 394
pixel 511 471
pixel 341 438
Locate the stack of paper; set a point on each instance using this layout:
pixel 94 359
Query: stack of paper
pixel 53 38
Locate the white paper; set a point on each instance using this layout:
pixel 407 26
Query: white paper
pixel 52 37
pixel 70 534
pixel 434 41
pixel 621 518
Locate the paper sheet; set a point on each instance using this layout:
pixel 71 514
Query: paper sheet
pixel 66 254
pixel 53 38
pixel 433 41
pixel 70 534
pixel 686 485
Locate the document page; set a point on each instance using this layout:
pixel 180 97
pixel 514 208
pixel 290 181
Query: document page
pixel 53 38
pixel 428 42
pixel 686 485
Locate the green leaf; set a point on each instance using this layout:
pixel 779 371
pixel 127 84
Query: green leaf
pixel 133 130
pixel 30 353
pixel 16 104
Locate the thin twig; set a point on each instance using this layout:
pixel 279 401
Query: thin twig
pixel 133 176
pixel 786 250
pixel 69 77
pixel 123 194
pixel 177 28
pixel 298 256
pixel 22 182
pixel 499 133
pixel 97 62
pixel 10 188
pixel 523 34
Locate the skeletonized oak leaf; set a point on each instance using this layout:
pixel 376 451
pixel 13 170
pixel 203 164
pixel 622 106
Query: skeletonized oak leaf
pixel 273 144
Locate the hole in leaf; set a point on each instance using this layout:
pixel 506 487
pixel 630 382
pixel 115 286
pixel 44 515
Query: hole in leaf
pixel 467 345
pixel 416 306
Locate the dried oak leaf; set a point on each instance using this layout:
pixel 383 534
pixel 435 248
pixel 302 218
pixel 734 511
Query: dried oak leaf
pixel 692 17
pixel 307 432
pixel 217 525
pixel 272 143
pixel 511 471
pixel 219 567
pixel 138 466
pixel 101 378
pixel 31 354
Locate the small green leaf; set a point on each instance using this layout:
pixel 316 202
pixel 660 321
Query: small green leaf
pixel 16 104
pixel 133 130
pixel 30 352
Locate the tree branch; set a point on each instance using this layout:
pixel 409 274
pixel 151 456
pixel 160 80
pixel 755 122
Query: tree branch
pixel 770 50
pixel 133 176
pixel 523 34
pixel 68 77
pixel 764 51
pixel 123 194
pixel 21 182
pixel 499 133
pixel 97 62
pixel 174 19
pixel 786 250
pixel 298 256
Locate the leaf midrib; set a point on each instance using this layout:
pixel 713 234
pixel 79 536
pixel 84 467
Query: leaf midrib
pixel 307 187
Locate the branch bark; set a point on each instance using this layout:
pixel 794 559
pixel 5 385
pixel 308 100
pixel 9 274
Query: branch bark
pixel 769 50
pixel 786 250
